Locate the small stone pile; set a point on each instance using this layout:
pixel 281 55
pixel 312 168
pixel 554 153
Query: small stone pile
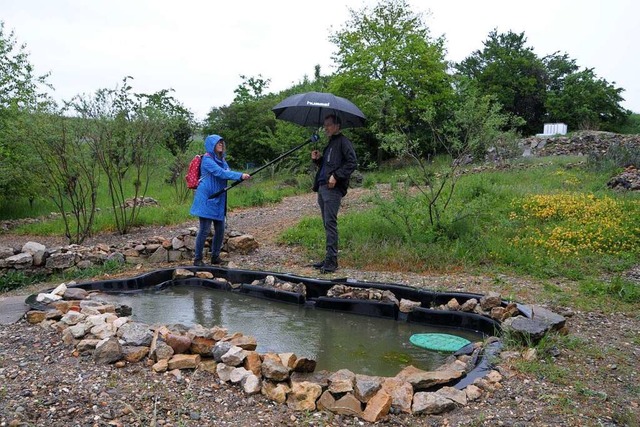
pixel 629 179
pixel 106 333
pixel 34 257
pixel 580 143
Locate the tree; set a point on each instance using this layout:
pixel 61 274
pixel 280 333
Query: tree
pixel 244 121
pixel 21 94
pixel 581 99
pixel 124 130
pixel 390 66
pixel 509 70
pixel 69 168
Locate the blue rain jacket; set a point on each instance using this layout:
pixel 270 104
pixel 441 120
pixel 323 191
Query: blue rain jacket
pixel 214 172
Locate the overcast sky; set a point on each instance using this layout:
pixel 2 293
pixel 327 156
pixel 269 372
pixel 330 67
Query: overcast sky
pixel 200 48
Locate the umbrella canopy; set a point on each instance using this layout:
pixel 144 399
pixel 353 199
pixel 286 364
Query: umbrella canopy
pixel 310 109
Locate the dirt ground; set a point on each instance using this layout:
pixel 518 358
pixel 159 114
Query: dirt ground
pixel 590 379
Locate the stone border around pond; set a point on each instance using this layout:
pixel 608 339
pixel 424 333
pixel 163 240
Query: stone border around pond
pixel 105 332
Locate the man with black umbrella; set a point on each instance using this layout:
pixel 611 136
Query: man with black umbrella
pixel 335 166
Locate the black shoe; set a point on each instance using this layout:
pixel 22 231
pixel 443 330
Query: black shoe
pixel 328 268
pixel 318 264
pixel 216 261
pixel 198 263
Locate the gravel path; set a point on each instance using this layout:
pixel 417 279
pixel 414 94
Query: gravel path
pixel 43 384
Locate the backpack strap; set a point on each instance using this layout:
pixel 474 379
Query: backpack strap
pixel 203 176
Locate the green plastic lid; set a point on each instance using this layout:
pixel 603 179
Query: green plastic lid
pixel 439 342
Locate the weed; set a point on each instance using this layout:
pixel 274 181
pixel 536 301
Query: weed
pixel 617 287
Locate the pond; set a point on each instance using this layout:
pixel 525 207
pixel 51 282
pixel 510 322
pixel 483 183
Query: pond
pixel 336 340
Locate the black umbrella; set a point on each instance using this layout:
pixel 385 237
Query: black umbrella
pixel 311 108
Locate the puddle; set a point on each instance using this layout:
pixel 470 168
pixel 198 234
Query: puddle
pixel 336 340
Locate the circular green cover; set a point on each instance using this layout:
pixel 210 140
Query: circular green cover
pixel 439 342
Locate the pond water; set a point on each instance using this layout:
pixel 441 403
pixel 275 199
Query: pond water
pixel 336 340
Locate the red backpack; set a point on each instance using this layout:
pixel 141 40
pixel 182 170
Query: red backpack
pixel 193 172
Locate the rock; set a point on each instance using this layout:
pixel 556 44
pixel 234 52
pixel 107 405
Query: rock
pixel 430 403
pixel 303 396
pixel 108 351
pixel 341 381
pixel 184 361
pixel 377 407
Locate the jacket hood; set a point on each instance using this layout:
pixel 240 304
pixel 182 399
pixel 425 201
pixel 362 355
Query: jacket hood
pixel 210 143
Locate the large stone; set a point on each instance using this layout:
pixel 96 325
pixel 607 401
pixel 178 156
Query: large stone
pixel 302 364
pixel 33 247
pixel 239 374
pixel 366 387
pixel 274 370
pixel 224 372
pixel 401 394
pixel 219 349
pixel 179 343
pixel 275 391
pixel 75 294
pixel 253 363
pixel 526 329
pixel 303 396
pixel 377 407
pixel 245 342
pixel 242 244
pixel 251 384
pixel 5 252
pixel 61 261
pixel 35 316
pixel 20 261
pixel 341 381
pixel 107 351
pixel 202 345
pixel 234 357
pixel 133 354
pixel 492 299
pixel 422 380
pixel 136 333
pixel 184 361
pixel 161 255
pixel 431 403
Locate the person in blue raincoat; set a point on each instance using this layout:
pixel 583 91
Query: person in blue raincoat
pixel 214 173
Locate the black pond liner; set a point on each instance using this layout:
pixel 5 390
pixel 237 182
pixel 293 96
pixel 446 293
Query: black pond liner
pixel 316 297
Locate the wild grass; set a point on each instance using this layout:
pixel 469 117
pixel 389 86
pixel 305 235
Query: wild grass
pixel 549 218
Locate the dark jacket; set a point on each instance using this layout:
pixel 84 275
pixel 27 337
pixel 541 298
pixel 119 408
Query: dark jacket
pixel 340 161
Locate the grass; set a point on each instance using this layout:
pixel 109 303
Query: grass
pixel 15 279
pixel 551 219
pixel 257 192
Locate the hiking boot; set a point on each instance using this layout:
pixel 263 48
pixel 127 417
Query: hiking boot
pixel 216 260
pixel 325 269
pixel 318 265
pixel 329 266
pixel 198 263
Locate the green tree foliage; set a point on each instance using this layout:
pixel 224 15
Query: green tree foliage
pixel 70 170
pixel 21 93
pixel 509 70
pixel 125 130
pixel 243 122
pixel 421 209
pixel 390 66
pixel 581 99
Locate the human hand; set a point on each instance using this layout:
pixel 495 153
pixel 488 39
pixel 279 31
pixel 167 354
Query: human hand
pixel 315 155
pixel 246 176
pixel 332 182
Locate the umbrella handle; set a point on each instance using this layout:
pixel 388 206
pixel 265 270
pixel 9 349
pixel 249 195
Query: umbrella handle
pixel 312 138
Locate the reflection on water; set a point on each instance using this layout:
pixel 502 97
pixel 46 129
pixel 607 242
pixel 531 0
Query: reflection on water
pixel 362 344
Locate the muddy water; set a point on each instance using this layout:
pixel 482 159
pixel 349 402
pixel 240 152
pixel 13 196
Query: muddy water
pixel 362 344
